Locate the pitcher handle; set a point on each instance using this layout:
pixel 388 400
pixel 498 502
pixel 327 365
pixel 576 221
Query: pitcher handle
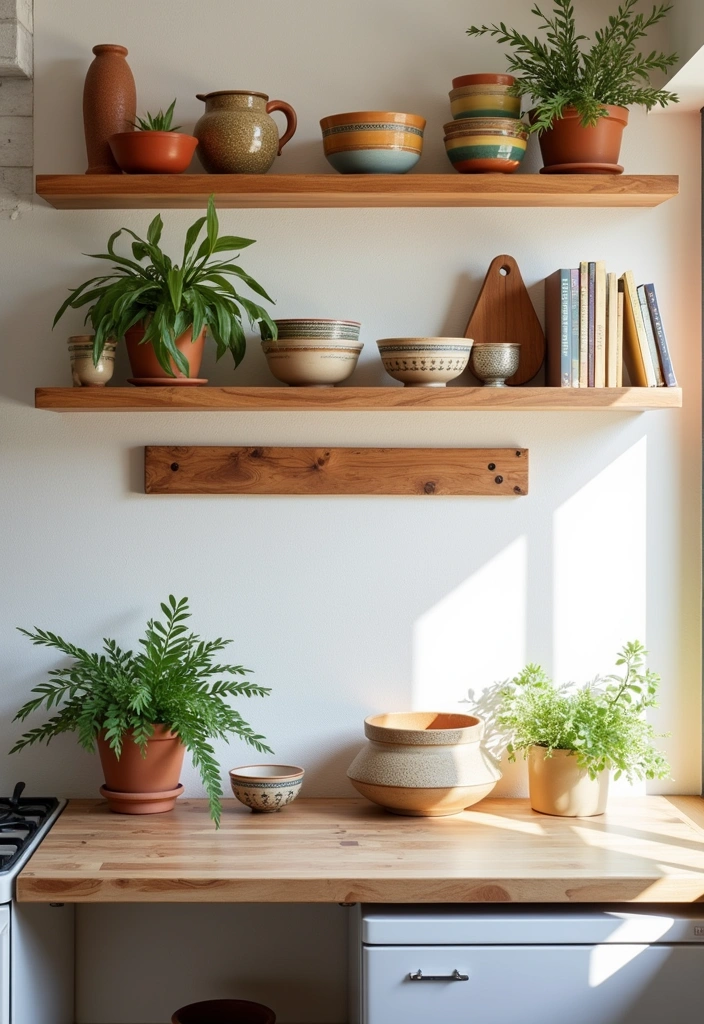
pixel 291 120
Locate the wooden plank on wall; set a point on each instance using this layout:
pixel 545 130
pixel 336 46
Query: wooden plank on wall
pixel 390 471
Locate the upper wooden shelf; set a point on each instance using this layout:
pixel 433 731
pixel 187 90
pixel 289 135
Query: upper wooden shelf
pixel 644 849
pixel 257 191
pixel 351 399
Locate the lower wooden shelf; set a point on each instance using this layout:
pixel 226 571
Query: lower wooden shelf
pixel 354 399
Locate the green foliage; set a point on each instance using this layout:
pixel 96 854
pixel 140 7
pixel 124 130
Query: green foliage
pixel 559 73
pixel 160 122
pixel 167 298
pixel 171 681
pixel 603 722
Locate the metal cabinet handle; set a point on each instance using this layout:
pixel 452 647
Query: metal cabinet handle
pixel 455 976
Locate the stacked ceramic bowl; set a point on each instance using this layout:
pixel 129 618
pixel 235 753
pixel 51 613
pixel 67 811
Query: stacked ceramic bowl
pixel 373 141
pixel 486 132
pixel 313 352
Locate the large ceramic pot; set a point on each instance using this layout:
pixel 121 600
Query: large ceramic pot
pixel 146 366
pixel 237 136
pixel 109 105
pixel 425 764
pixel 559 786
pixel 143 785
pixel 569 148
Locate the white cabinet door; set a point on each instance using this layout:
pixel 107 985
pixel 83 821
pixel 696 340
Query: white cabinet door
pixel 605 984
pixel 4 964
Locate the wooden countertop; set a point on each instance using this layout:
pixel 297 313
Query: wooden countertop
pixel 648 849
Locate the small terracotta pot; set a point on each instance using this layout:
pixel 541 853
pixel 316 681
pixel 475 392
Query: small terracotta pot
pixel 224 1011
pixel 575 149
pixel 143 359
pixel 158 772
pixel 153 152
pixel 559 786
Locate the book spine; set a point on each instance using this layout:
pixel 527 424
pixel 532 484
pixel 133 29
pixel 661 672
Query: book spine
pixel 634 317
pixel 565 330
pixel 661 340
pixel 611 331
pixel 591 310
pixel 650 335
pixel 574 325
pixel 619 339
pixel 600 325
pixel 583 324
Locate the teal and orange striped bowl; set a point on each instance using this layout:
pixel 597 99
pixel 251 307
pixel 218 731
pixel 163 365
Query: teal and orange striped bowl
pixel 484 96
pixel 482 144
pixel 373 141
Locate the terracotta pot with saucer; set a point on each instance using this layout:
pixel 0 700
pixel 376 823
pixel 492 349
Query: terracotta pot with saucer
pixel 570 148
pixel 143 785
pixel 147 370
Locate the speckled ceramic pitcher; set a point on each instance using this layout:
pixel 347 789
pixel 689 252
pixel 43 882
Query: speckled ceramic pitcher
pixel 236 135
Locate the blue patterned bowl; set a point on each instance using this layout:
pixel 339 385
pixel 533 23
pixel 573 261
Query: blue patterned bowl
pixel 266 787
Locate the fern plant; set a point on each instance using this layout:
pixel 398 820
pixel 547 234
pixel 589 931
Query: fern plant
pixel 559 72
pixel 160 122
pixel 174 680
pixel 602 723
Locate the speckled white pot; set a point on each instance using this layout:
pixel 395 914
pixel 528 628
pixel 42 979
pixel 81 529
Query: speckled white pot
pixel 424 763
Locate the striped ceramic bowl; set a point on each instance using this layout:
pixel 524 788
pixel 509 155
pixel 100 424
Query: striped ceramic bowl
pixel 482 144
pixel 484 96
pixel 424 362
pixel 317 327
pixel 373 141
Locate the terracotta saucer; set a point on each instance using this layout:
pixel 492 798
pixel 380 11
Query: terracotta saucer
pixel 582 169
pixel 166 382
pixel 141 803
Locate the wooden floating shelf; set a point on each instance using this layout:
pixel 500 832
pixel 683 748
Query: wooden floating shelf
pixel 351 399
pixel 259 191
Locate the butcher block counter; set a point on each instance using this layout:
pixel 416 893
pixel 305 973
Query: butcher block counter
pixel 648 849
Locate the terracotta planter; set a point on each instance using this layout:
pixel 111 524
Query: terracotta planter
pixel 109 105
pixel 143 785
pixel 559 786
pixel 146 366
pixel 153 152
pixel 423 763
pixel 569 148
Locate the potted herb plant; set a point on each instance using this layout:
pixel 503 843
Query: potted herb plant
pixel 581 95
pixel 574 736
pixel 154 147
pixel 145 710
pixel 162 309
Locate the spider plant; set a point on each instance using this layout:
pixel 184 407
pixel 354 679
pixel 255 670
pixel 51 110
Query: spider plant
pixel 168 298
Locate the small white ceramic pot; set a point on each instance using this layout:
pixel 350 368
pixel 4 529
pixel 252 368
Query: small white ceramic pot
pixel 423 763
pixel 559 786
pixel 312 362
pixel 424 362
pixel 84 372
pixel 266 787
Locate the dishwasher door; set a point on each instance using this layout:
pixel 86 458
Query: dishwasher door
pixel 548 984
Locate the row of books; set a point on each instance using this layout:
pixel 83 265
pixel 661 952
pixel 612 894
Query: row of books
pixel 595 321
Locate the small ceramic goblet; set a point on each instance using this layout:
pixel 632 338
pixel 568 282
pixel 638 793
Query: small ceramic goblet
pixel 84 372
pixel 494 362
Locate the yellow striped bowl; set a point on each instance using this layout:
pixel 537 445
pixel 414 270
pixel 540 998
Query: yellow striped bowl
pixel 373 141
pixel 481 145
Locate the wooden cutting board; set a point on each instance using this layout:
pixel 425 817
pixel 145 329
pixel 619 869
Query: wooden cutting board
pixel 504 312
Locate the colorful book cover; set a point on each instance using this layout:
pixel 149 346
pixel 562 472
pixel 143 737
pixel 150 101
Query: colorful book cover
pixel 591 310
pixel 600 325
pixel 558 330
pixel 574 325
pixel 612 355
pixel 635 343
pixel 619 339
pixel 583 324
pixel 650 335
pixel 665 360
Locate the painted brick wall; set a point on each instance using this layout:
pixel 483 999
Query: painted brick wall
pixel 16 104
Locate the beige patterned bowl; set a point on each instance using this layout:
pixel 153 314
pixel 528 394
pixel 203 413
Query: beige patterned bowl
pixel 266 787
pixel 495 361
pixel 84 372
pixel 312 362
pixel 423 763
pixel 424 362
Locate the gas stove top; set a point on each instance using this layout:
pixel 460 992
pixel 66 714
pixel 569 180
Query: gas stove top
pixel 23 823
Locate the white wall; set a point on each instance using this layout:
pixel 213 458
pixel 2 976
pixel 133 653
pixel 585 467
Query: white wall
pixel 343 606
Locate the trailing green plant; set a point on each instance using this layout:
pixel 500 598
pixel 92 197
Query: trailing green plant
pixel 168 298
pixel 603 722
pixel 160 122
pixel 560 73
pixel 174 680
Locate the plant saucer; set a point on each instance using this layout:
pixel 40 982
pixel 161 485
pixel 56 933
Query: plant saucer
pixel 582 169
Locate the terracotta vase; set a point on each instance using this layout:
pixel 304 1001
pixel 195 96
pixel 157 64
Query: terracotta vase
pixel 143 785
pixel 146 366
pixel 153 152
pixel 237 136
pixel 109 105
pixel 559 786
pixel 569 148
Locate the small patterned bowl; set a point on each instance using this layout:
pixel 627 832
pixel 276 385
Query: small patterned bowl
pixel 483 144
pixel 266 787
pixel 373 141
pixel 484 96
pixel 84 373
pixel 316 327
pixel 494 362
pixel 312 362
pixel 424 362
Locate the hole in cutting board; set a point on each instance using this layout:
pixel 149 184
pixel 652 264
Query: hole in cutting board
pixel 504 271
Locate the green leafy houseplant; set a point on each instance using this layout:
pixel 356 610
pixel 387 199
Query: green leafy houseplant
pixel 559 73
pixel 174 680
pixel 160 122
pixel 603 723
pixel 168 298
